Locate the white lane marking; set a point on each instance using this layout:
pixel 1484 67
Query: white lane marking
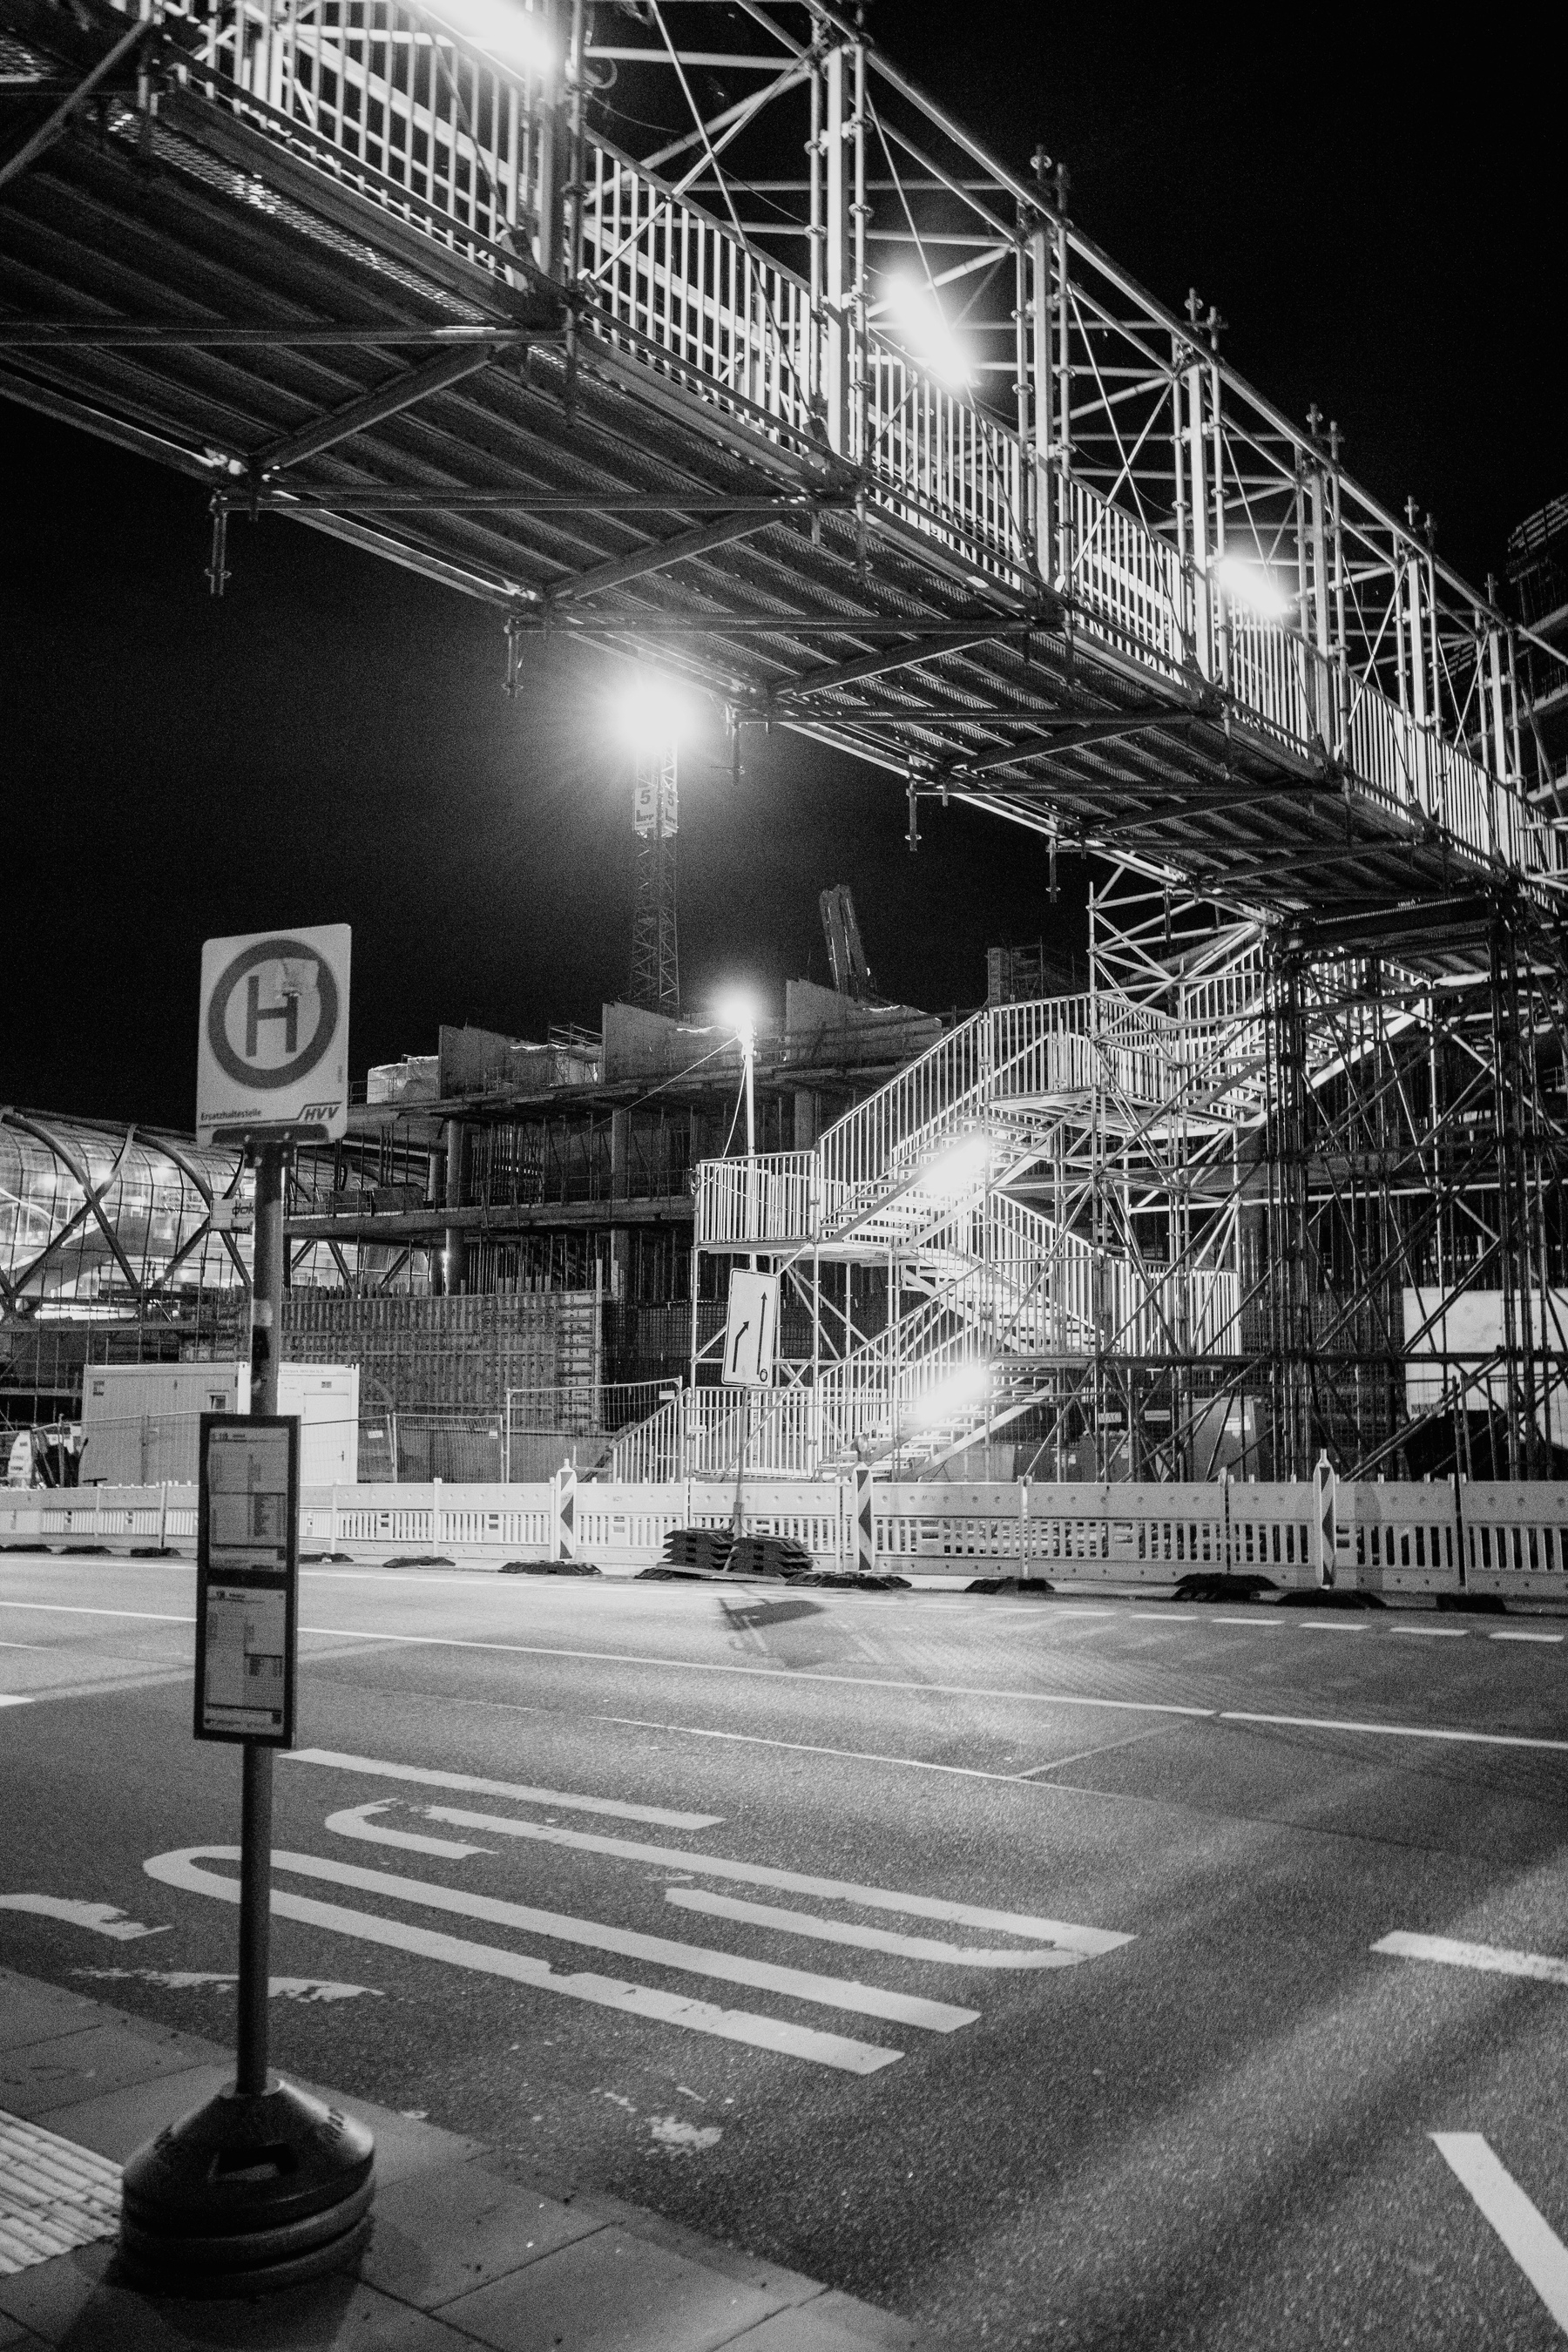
pixel 307 1989
pixel 491 1959
pixel 12 1698
pixel 1399 1730
pixel 1521 1636
pixel 355 1821
pixel 1105 1748
pixel 990 1616
pixel 864 1682
pixel 758 1673
pixel 682 2139
pixel 1090 1941
pixel 1158 1617
pixel 1070 1614
pixel 40 1646
pixel 385 1575
pixel 1494 1959
pixel 870 1940
pixel 79 1608
pixel 1250 1624
pixel 1327 1625
pixel 1433 1632
pixel 805 1747
pixel 103 1918
pixel 627 1943
pixel 1535 2247
pixel 472 1785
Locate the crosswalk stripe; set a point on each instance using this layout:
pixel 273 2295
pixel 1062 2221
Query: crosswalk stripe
pixel 772 2033
pixel 694 1959
pixel 1492 1959
pixel 659 1815
pixel 1090 1942
pixel 871 1940
pixel 1535 2247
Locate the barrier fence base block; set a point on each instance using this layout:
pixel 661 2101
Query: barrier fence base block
pixel 248 2195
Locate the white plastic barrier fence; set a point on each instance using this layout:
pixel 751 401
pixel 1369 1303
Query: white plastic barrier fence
pixel 1272 1530
pixel 1507 1541
pixel 1396 1538
pixel 1515 1539
pixel 120 1515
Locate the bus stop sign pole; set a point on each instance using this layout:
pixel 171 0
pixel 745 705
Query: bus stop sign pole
pixel 265 2186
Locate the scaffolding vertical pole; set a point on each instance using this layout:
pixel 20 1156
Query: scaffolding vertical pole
pixel 1047 496
pixel 1028 488
pixel 815 234
pixel 1062 404
pixel 1197 473
pixel 860 354
pixel 1502 1146
pixel 1316 568
pixel 1341 655
pixel 1223 650
pixel 836 370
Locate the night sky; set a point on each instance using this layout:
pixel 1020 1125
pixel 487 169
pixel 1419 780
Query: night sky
pixel 1376 215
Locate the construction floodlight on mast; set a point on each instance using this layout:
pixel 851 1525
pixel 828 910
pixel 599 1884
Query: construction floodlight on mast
pixel 653 718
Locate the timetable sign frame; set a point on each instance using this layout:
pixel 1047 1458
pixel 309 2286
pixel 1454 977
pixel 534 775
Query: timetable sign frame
pixel 247 1578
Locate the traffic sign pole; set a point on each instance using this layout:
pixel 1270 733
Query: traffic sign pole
pixel 265 2186
pixel 255 1801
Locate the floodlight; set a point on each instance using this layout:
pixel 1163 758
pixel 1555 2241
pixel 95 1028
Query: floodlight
pixel 650 714
pixel 739 1014
pixel 960 1168
pixel 514 35
pixel 931 339
pixel 947 1399
pixel 1252 585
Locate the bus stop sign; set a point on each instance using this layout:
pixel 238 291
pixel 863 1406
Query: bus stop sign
pixel 272 1046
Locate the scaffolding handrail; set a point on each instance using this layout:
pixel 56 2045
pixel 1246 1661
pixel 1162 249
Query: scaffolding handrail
pixel 418 119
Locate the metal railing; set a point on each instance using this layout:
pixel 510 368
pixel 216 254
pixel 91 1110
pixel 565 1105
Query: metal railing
pixel 388 102
pixel 669 285
pixel 419 121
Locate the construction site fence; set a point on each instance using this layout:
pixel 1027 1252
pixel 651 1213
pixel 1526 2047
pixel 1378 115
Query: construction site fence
pixel 1438 1539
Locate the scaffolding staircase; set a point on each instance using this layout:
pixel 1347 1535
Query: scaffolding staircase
pixel 992 1294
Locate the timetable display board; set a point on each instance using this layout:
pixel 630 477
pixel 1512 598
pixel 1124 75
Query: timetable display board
pixel 247 1579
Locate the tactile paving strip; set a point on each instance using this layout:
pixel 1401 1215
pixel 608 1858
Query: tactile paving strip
pixel 52 2195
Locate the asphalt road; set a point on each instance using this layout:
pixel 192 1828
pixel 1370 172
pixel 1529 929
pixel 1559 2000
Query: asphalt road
pixel 1035 1999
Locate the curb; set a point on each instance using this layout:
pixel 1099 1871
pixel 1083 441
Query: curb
pixel 469 2247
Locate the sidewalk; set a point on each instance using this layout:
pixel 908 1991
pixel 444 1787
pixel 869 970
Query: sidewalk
pixel 460 2256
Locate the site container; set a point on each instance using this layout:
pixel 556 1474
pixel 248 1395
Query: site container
pixel 140 1422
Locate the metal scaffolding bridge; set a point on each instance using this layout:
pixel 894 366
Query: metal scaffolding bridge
pixel 883 450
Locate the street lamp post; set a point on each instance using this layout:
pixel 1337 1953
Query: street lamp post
pixel 742 1019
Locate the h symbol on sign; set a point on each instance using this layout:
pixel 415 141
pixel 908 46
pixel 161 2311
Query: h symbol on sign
pixel 288 1012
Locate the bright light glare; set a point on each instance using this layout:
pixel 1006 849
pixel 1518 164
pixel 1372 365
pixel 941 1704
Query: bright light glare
pixel 950 1397
pixel 650 714
pixel 739 1014
pixel 959 1170
pixel 1250 585
pixel 931 339
pixel 514 35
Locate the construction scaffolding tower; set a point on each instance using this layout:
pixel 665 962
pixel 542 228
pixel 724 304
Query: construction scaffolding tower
pixel 1253 1197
